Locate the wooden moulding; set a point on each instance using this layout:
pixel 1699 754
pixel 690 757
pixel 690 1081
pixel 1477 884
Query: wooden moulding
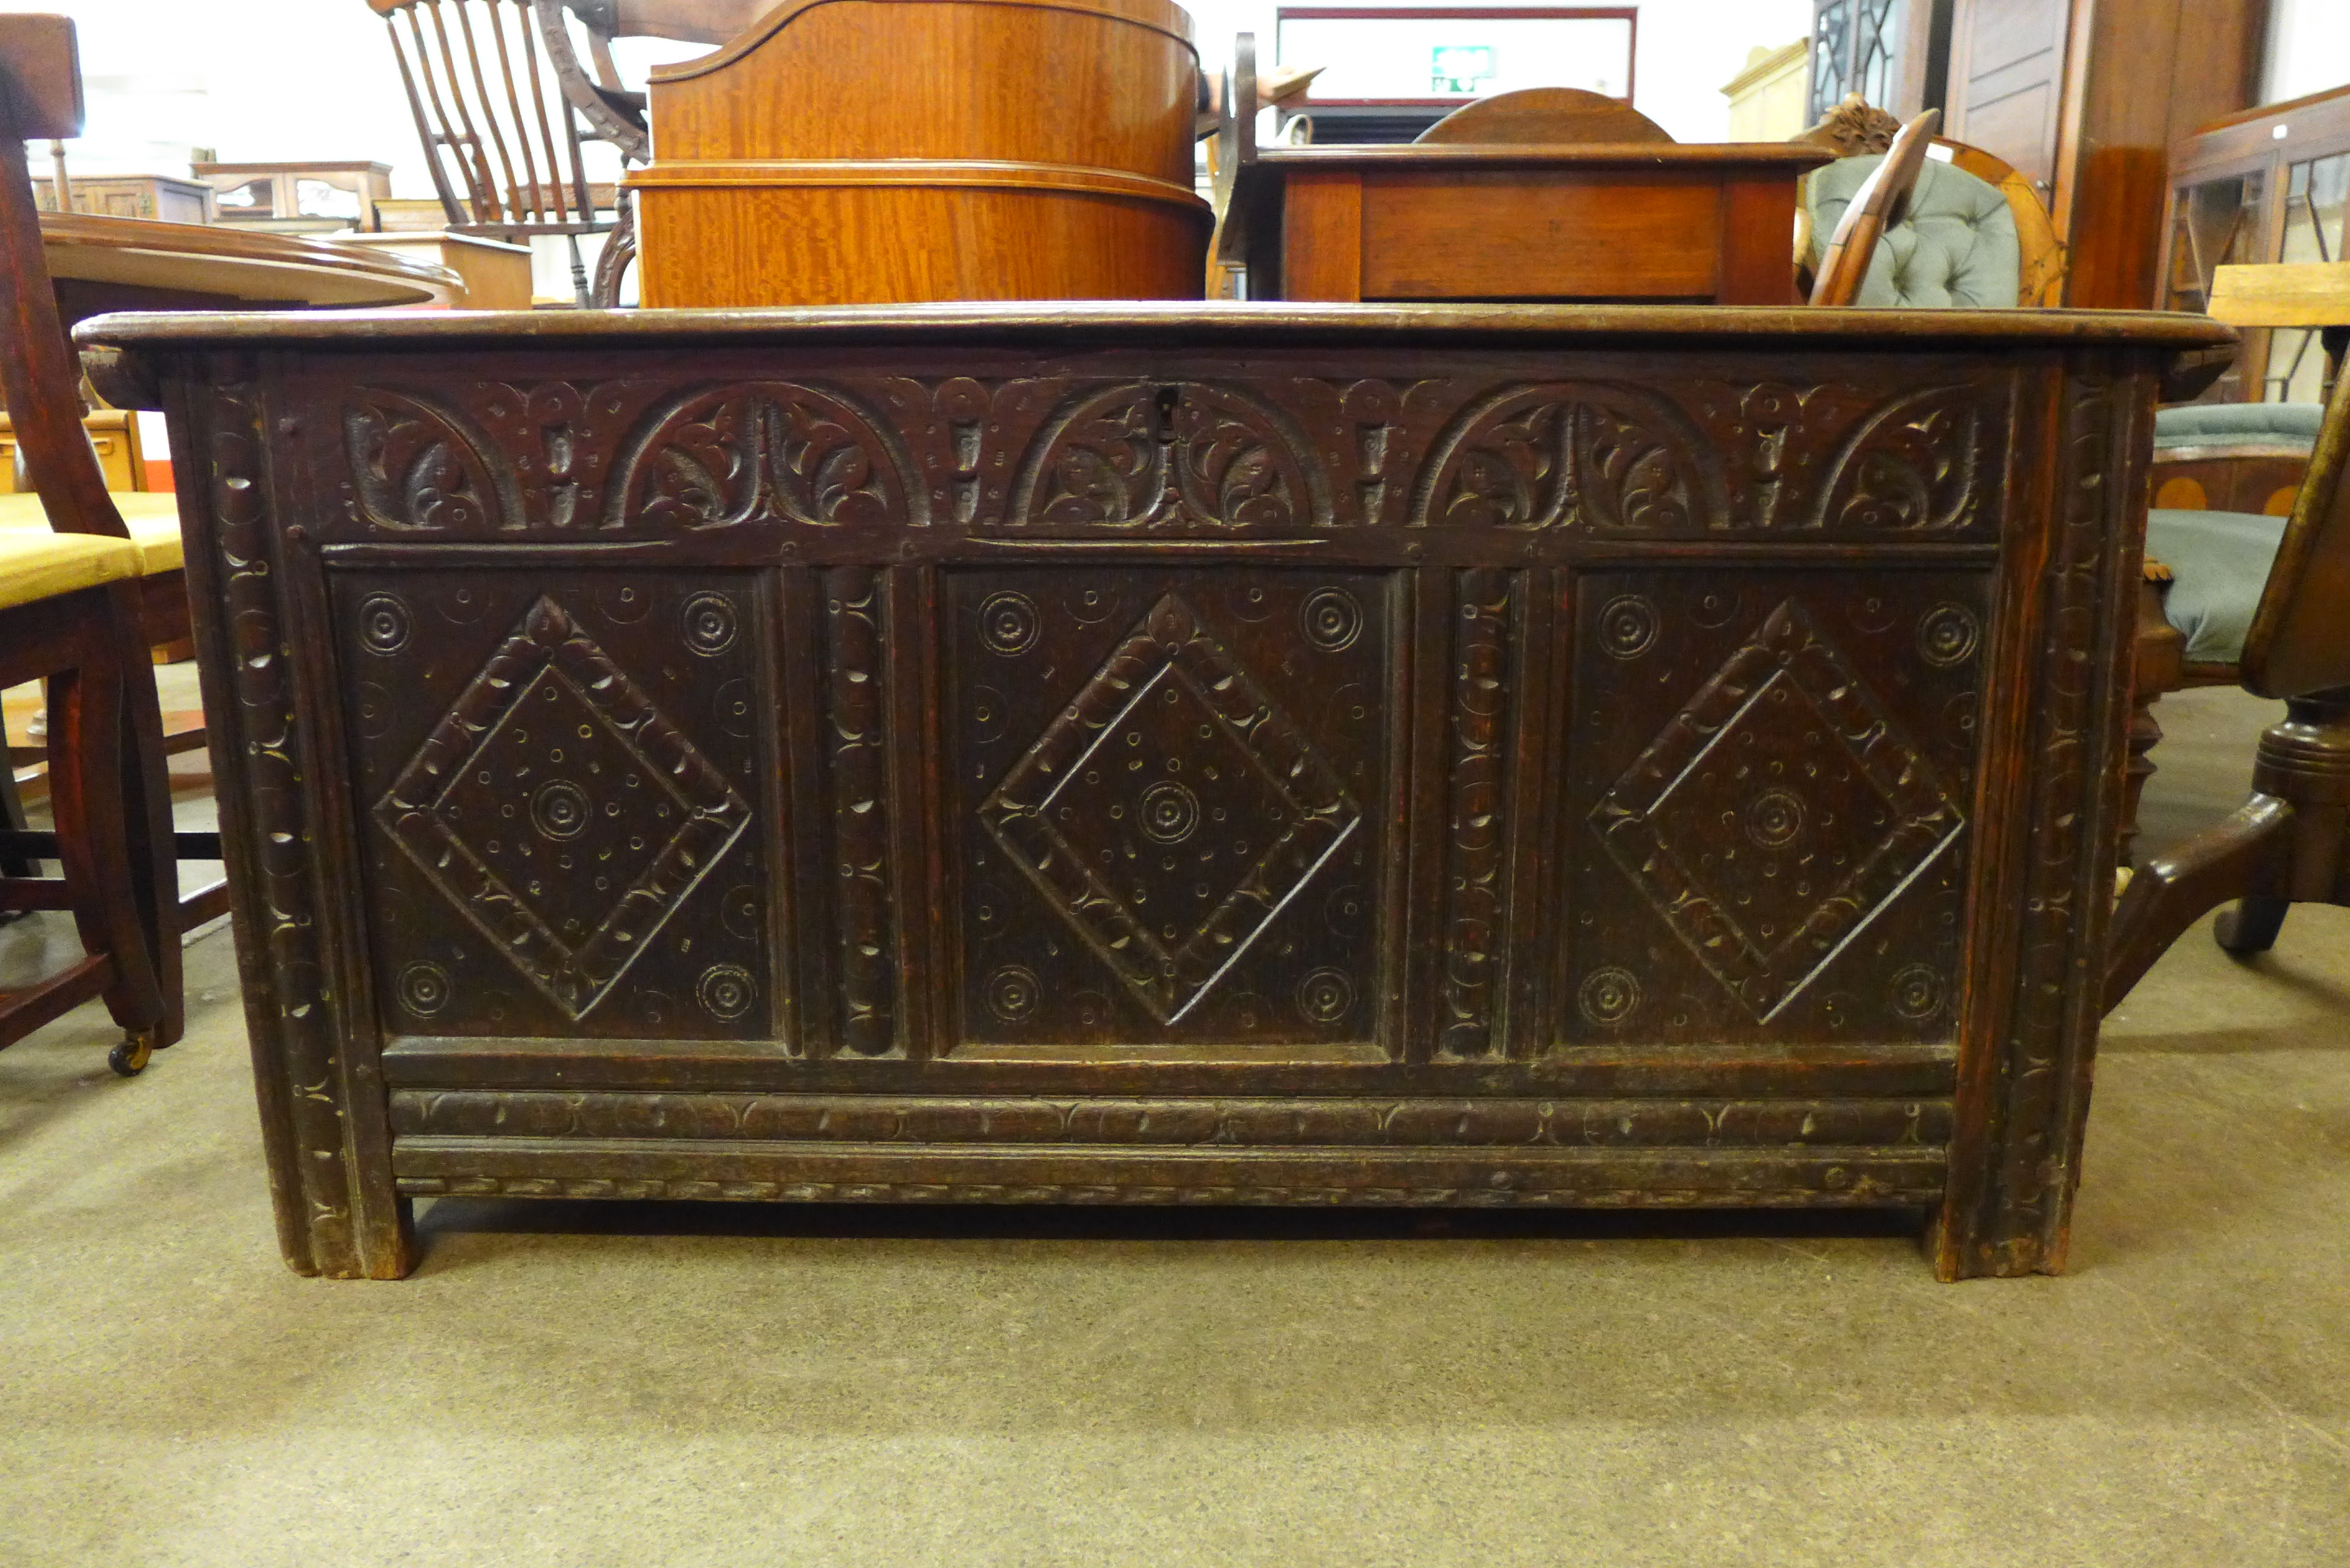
pixel 846 591
pixel 2281 294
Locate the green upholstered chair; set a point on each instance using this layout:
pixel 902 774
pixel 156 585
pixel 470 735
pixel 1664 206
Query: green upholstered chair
pixel 2284 845
pixel 1955 247
pixel 2225 477
pixel 2215 558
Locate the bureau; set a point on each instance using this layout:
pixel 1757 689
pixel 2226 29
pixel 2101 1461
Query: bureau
pixel 1447 755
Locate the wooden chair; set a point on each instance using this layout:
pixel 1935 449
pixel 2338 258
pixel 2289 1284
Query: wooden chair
pixel 1881 202
pixel 70 613
pixel 1545 117
pixel 2286 843
pixel 1855 129
pixel 512 126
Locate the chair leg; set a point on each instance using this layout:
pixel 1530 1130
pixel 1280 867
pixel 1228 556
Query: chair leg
pixel 2145 735
pixel 620 250
pixel 2251 926
pixel 87 774
pixel 12 815
pixel 2250 856
pixel 152 848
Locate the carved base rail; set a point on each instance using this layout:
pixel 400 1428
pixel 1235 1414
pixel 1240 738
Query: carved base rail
pixel 1534 756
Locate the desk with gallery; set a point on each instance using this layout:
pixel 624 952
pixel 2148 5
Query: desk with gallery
pixel 902 721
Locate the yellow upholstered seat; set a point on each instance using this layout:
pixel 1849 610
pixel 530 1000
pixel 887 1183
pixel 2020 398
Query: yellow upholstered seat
pixel 42 565
pixel 153 517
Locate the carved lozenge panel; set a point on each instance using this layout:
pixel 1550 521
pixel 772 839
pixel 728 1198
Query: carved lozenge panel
pixel 1170 803
pixel 1766 822
pixel 559 784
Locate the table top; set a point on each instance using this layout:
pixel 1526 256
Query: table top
pixel 237 265
pixel 1081 322
pixel 2281 294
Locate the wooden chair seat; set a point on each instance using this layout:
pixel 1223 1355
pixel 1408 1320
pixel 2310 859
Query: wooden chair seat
pixel 153 517
pixel 45 565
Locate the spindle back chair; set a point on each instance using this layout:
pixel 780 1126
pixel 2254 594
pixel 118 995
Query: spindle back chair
pixel 503 106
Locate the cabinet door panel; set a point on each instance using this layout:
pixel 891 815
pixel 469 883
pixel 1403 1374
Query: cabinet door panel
pixel 1171 804
pixel 562 785
pixel 1769 783
pixel 2007 73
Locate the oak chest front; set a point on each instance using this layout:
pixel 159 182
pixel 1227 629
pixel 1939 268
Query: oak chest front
pixel 1434 756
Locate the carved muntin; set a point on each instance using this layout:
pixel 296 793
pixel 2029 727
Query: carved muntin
pixel 880 628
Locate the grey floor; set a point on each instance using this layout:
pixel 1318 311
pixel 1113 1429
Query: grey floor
pixel 585 1384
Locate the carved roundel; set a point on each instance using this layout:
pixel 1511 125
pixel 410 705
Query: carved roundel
pixel 1326 996
pixel 624 602
pixel 1331 620
pixel 1013 992
pixel 1170 812
pixel 726 991
pixel 740 910
pixel 425 988
pixel 1948 635
pixel 1775 817
pixel 560 809
pixel 710 623
pixel 1609 996
pixel 1009 624
pixel 1628 626
pixel 732 705
pixel 1919 992
pixel 385 625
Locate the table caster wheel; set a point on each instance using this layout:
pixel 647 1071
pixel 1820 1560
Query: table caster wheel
pixel 130 1058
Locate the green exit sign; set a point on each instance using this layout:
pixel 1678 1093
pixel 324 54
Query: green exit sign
pixel 1458 69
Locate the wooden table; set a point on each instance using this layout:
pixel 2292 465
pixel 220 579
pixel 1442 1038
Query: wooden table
pixel 1498 756
pixel 129 264
pixel 1640 220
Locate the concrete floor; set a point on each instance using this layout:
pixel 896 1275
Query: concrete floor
pixel 584 1384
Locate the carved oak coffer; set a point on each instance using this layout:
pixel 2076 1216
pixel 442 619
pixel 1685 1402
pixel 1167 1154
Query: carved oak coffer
pixel 1534 756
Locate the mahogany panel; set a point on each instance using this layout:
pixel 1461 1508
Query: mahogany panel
pixel 1513 233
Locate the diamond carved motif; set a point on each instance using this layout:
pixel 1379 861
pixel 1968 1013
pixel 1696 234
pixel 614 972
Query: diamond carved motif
pixel 1170 812
pixel 1778 815
pixel 560 812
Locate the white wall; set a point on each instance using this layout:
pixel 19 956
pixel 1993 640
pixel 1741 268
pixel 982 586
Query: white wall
pixel 2309 48
pixel 256 80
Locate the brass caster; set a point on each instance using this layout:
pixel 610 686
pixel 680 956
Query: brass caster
pixel 130 1058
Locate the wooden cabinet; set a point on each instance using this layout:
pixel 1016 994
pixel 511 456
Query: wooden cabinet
pixel 1893 53
pixel 113 433
pixel 2085 98
pixel 300 198
pixel 156 197
pixel 2266 185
